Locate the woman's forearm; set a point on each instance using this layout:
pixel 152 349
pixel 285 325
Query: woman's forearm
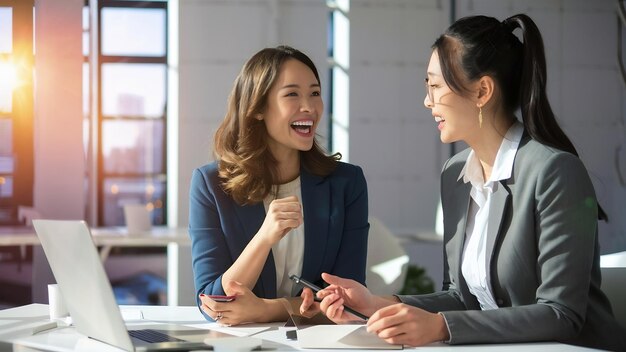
pixel 277 309
pixel 248 266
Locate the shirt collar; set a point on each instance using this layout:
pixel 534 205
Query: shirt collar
pixel 503 165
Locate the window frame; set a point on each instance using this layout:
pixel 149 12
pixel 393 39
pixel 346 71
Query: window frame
pixel 102 175
pixel 22 111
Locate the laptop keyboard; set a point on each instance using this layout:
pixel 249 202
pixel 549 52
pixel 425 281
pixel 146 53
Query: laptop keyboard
pixel 151 336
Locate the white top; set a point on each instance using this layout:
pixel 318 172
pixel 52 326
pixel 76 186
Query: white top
pixel 476 263
pixel 288 252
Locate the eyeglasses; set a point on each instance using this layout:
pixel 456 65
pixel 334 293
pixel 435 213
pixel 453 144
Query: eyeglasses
pixel 429 90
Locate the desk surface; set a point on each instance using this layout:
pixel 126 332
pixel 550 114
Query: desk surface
pixel 159 236
pixel 67 339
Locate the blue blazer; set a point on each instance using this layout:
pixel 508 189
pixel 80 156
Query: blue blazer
pixel 335 229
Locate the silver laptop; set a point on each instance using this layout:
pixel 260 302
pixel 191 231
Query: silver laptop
pixel 77 268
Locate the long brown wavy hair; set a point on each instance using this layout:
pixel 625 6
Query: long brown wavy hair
pixel 246 166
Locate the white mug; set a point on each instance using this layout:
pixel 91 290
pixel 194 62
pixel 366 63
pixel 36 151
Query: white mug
pixel 58 309
pixel 137 218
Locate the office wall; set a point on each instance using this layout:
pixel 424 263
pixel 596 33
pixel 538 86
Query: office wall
pixel 390 49
pixel 59 157
pixel 59 191
pixel 392 135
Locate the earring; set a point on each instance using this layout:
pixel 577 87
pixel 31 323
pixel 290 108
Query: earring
pixel 480 116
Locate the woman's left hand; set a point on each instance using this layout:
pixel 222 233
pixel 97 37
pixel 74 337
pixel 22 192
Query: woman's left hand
pixel 247 307
pixel 401 324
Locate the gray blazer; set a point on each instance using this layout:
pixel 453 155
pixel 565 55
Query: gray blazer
pixel 544 256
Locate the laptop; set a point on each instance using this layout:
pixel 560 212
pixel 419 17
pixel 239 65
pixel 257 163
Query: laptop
pixel 77 268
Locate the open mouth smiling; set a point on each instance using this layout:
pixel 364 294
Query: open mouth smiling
pixel 303 126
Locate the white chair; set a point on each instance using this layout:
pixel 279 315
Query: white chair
pixel 387 262
pixel 613 267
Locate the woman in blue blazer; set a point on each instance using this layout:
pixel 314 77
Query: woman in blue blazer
pixel 521 257
pixel 273 204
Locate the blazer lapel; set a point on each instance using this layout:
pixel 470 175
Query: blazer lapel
pixel 460 203
pixel 497 210
pixel 251 218
pixel 316 208
pixel 500 200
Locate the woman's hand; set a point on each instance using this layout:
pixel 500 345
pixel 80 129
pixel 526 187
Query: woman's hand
pixel 309 306
pixel 282 215
pixel 339 292
pixel 247 307
pixel 401 324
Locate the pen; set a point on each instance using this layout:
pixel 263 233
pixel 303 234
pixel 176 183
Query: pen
pixel 315 288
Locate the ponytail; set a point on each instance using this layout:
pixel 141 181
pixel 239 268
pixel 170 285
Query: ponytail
pixel 537 114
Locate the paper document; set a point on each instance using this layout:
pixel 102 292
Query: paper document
pixel 237 330
pixel 342 336
pixel 130 314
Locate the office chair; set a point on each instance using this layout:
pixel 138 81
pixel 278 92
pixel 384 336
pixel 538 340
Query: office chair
pixel 387 261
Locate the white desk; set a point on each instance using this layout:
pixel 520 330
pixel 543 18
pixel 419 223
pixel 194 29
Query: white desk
pixel 180 289
pixel 67 339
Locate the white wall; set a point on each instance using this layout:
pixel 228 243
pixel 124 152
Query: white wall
pixel 59 191
pixel 390 49
pixel 59 158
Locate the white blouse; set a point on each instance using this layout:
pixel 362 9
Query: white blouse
pixel 289 251
pixel 476 263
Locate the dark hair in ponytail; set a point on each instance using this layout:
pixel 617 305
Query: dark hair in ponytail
pixel 476 46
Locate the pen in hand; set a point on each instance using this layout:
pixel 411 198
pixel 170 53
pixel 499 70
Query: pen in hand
pixel 315 289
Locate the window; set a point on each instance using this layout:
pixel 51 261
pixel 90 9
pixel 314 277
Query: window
pixel 16 108
pixel 131 104
pixel 339 56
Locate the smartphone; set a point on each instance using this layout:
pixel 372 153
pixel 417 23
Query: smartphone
pixel 305 283
pixel 316 288
pixel 221 298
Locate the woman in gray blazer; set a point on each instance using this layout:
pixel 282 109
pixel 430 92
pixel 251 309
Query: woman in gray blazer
pixel 521 258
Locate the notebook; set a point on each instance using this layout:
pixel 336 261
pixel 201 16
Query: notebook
pixel 77 268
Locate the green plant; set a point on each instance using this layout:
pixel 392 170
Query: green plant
pixel 417 282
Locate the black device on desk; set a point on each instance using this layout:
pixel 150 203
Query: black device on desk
pixel 316 288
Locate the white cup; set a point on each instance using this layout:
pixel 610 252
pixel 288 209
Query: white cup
pixel 58 309
pixel 137 218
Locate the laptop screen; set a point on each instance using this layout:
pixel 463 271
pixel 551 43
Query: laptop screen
pixel 85 287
